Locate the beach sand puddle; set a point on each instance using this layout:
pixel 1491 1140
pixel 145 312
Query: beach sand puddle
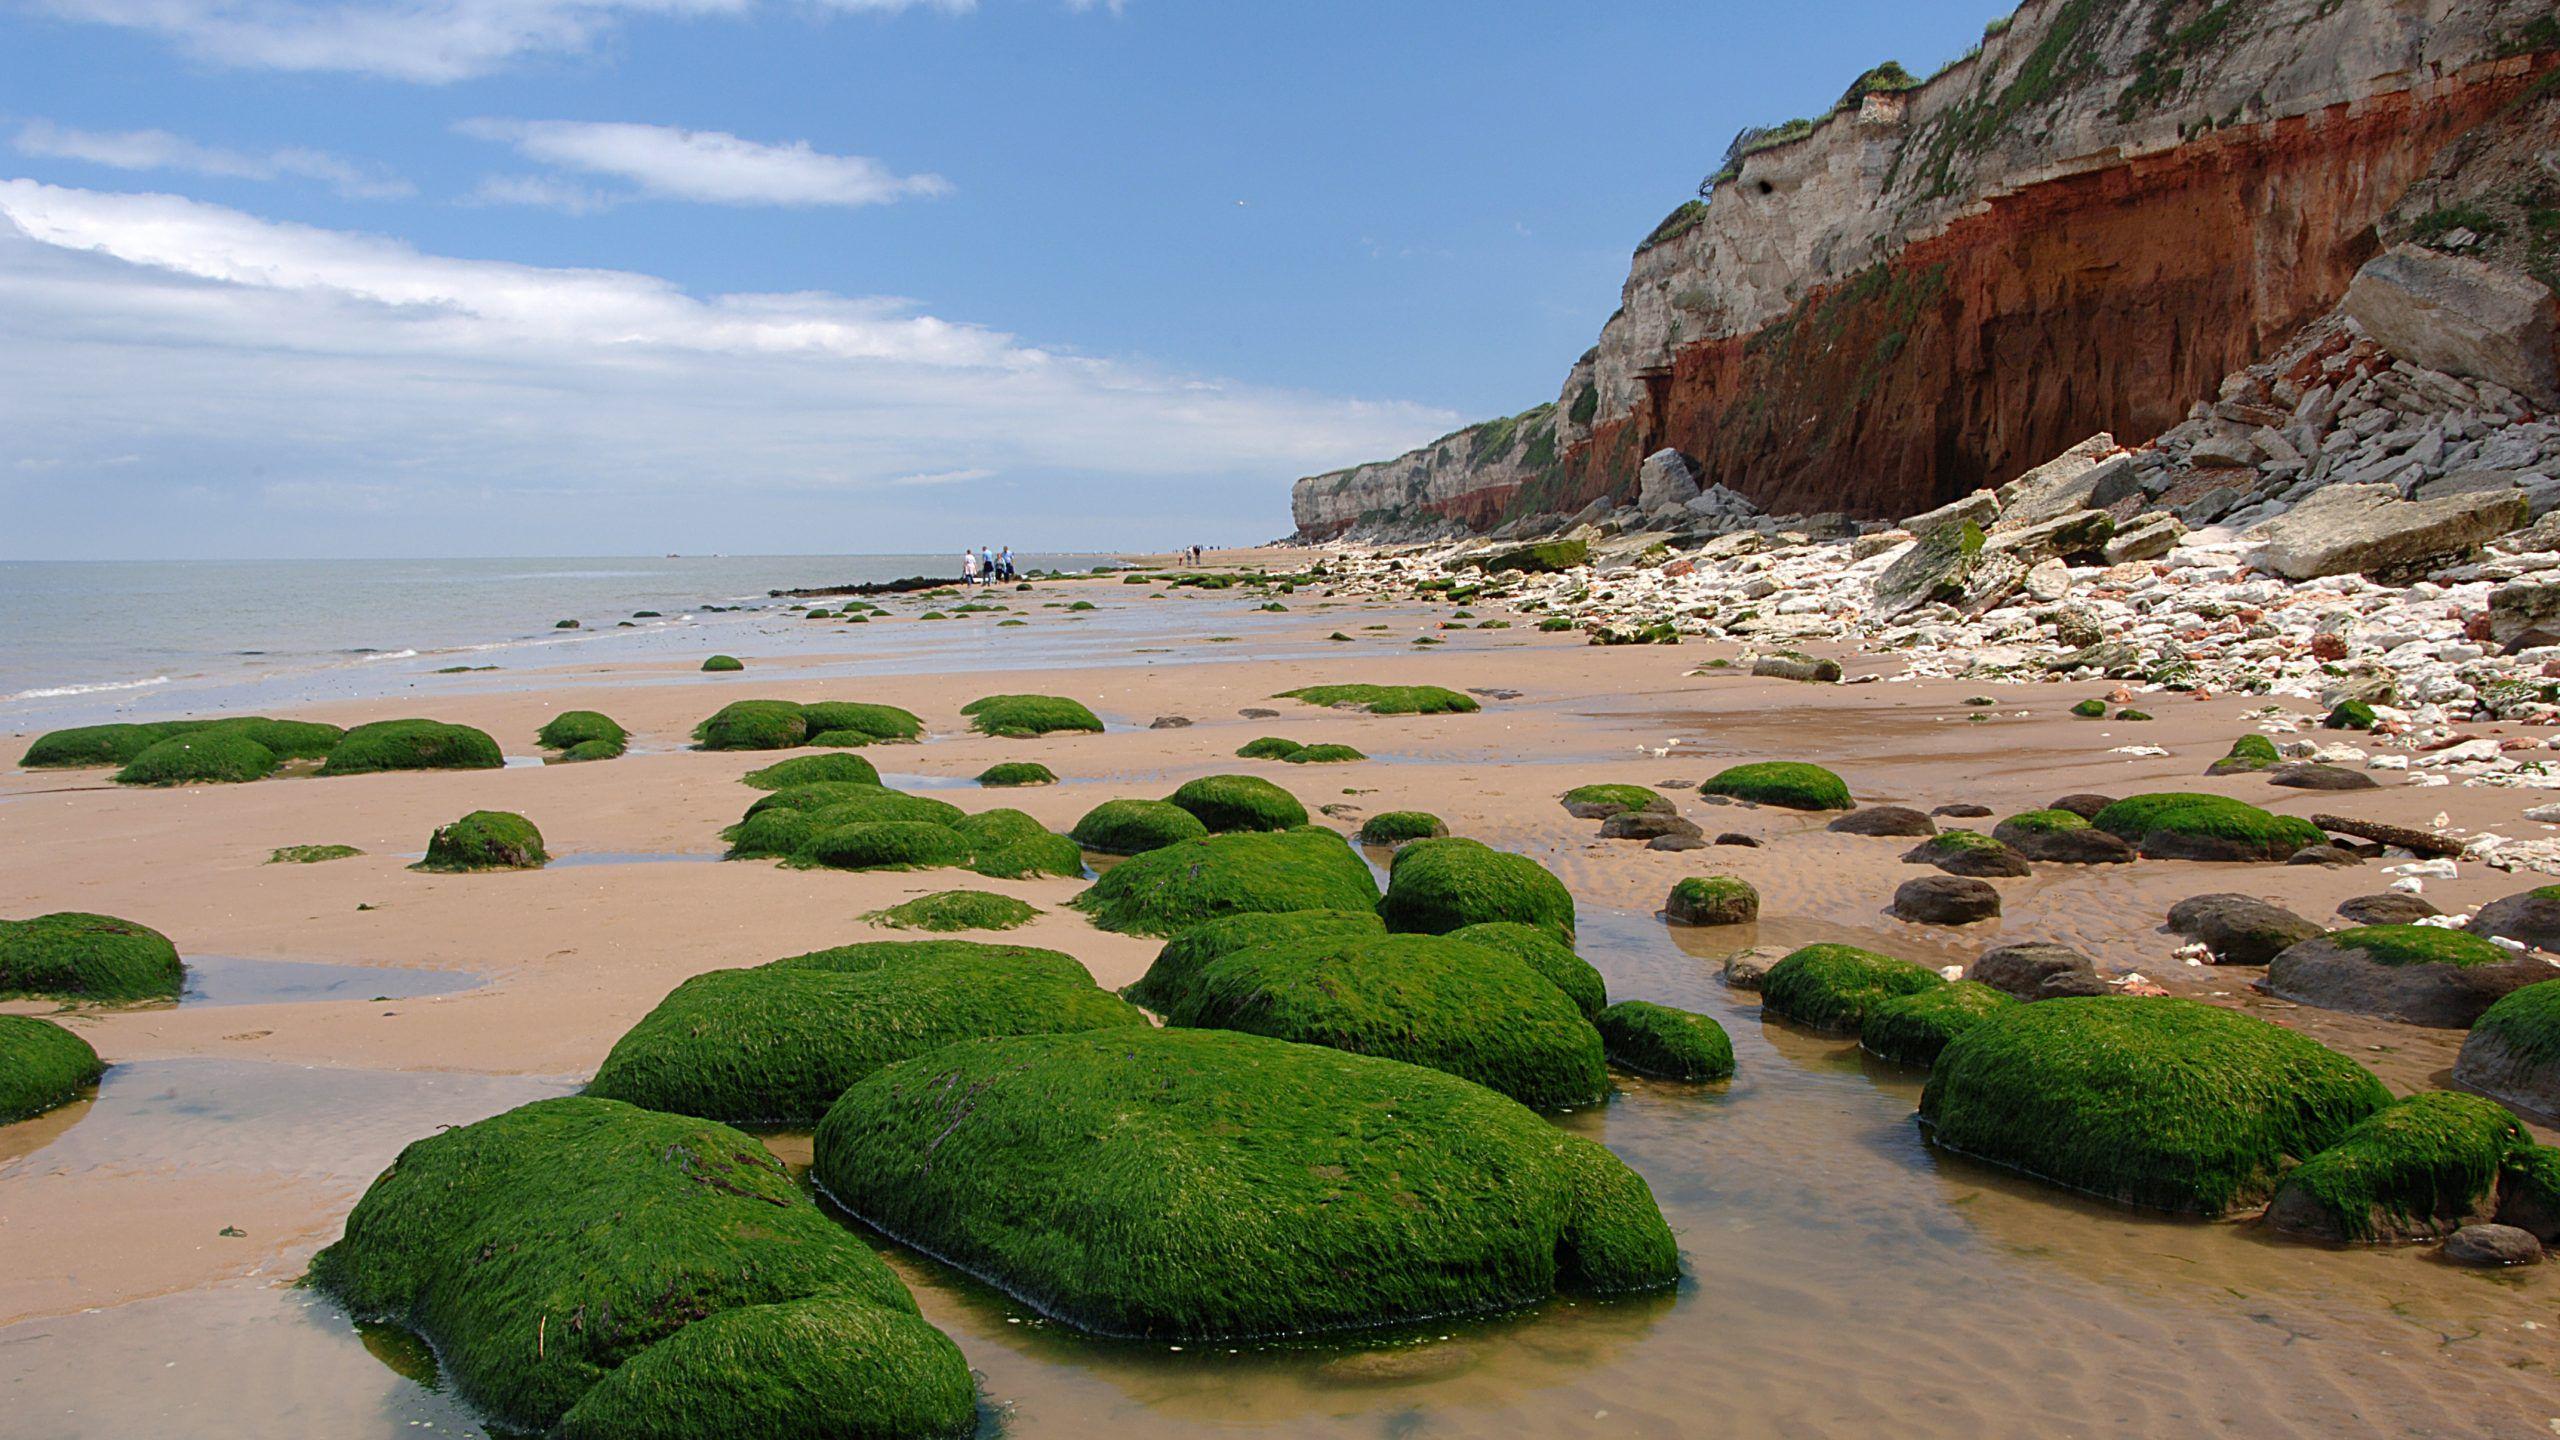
pixel 233 980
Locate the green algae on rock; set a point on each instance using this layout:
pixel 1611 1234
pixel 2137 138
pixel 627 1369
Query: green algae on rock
pixel 1387 699
pixel 1712 900
pixel 854 717
pixel 1541 951
pixel 1012 774
pixel 571 729
pixel 1599 802
pixel 2248 753
pixel 412 745
pixel 1398 827
pixel 1027 716
pixel 486 840
pixel 202 757
pixel 2513 1050
pixel 887 845
pixel 836 769
pixel 2163 1103
pixel 1327 754
pixel 1173 887
pixel 1133 827
pixel 753 725
pixel 42 1066
pixel 87 746
pixel 542 1249
pixel 1665 1043
pixel 723 664
pixel 1911 1029
pixel 1435 886
pixel 2419 1169
pixel 1177 966
pixel 948 910
pixel 310 854
pixel 1239 802
pixel 1787 784
pixel 1831 987
pixel 1268 747
pixel 1204 1185
pixel 2176 825
pixel 73 955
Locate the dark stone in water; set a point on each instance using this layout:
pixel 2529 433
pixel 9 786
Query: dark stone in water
pixel 2492 1245
pixel 1169 722
pixel 1946 900
pixel 1256 712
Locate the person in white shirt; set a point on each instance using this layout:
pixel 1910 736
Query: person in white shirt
pixel 968 567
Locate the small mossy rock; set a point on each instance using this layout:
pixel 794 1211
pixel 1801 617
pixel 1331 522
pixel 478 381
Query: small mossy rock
pixel 1133 827
pixel 1803 668
pixel 2241 929
pixel 2084 804
pixel 723 664
pixel 1545 557
pixel 754 725
pixel 74 955
pixel 586 750
pixel 412 745
pixel 42 1066
pixel 2090 709
pixel 2531 918
pixel 310 854
pixel 1174 887
pixel 1968 852
pixel 202 757
pixel 1599 802
pixel 488 1238
pixel 2513 1050
pixel 1946 900
pixel 2023 971
pixel 2162 1103
pixel 1935 568
pixel 879 722
pixel 1226 803
pixel 945 911
pixel 2185 826
pixel 2060 837
pixel 571 728
pixel 1323 755
pixel 486 840
pixel 830 1364
pixel 2350 715
pixel 1399 827
pixel 799 770
pixel 2491 1246
pixel 1961 810
pixel 2529 1192
pixel 1830 987
pixel 1786 784
pixel 1027 716
pixel 2247 754
pixel 1013 774
pixel 1649 826
pixel 2306 775
pixel 887 845
pixel 2391 907
pixel 1541 951
pixel 776 1044
pixel 2416 974
pixel 1665 1043
pixel 2419 1169
pixel 1387 699
pixel 1177 966
pixel 1269 747
pixel 1884 820
pixel 1466 1010
pixel 1712 900
pixel 1436 886
pixel 1194 1185
pixel 1912 1029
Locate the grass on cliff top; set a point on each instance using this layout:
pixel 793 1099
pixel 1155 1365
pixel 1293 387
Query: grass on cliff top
pixel 2424 1165
pixel 1832 987
pixel 949 910
pixel 1787 784
pixel 42 1066
pixel 72 955
pixel 1113 1180
pixel 1436 886
pixel 1025 716
pixel 1169 981
pixel 2419 945
pixel 2164 1103
pixel 543 1248
pixel 412 745
pixel 1666 1043
pixel 1387 699
pixel 1176 886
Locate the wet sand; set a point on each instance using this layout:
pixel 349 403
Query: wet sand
pixel 1844 1277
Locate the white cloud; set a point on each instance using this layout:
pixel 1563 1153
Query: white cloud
pixel 544 191
pixel 161 150
pixel 304 376
pixel 705 165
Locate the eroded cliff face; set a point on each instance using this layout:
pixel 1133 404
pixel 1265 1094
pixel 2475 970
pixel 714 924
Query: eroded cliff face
pixel 2082 228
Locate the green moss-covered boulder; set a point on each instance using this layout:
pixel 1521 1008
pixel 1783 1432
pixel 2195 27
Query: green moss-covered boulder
pixel 1177 966
pixel 1014 774
pixel 586 750
pixel 723 664
pixel 1469 1010
pixel 949 910
pixel 1599 802
pixel 2513 1050
pixel 1268 747
pixel 1544 557
pixel 1665 1043
pixel 772 835
pixel 1239 802
pixel 2164 1103
pixel 1541 951
pixel 541 1250
pixel 842 717
pixel 2183 826
pixel 2351 715
pixel 1712 900
pixel 486 840
pixel 1197 1185
pixel 1398 827
pixel 1831 987
pixel 2418 1170
pixel 1173 887
pixel 1024 716
pixel 1436 886
pixel 843 802
pixel 2090 709
pixel 776 1044
pixel 1133 827
pixel 310 854
pixel 887 845
pixel 42 1066
pixel 1323 755
pixel 2248 754
pixel 203 757
pixel 1968 852
pixel 1911 1029
pixel 753 725
pixel 87 746
pixel 833 769
pixel 572 728
pixel 1010 845
pixel 2416 974
pixel 286 739
pixel 1787 784
pixel 830 1365
pixel 72 955
pixel 1387 699
pixel 412 745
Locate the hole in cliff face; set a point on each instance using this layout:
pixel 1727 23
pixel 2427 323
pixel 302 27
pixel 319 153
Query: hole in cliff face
pixel 1767 188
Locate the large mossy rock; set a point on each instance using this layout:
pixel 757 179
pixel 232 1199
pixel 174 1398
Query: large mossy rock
pixel 541 1250
pixel 1401 827
pixel 1831 987
pixel 1387 699
pixel 1023 717
pixel 853 721
pixel 1174 887
pixel 1133 827
pixel 2163 1103
pixel 73 955
pixel 835 769
pixel 1469 1010
pixel 1911 1029
pixel 1970 853
pixel 2513 1051
pixel 886 845
pixel 2061 837
pixel 574 729
pixel 2241 929
pixel 2177 825
pixel 1665 1043
pixel 1541 951
pixel 1169 981
pixel 1436 886
pixel 1599 802
pixel 1787 784
pixel 412 745
pixel 2418 1170
pixel 2532 918
pixel 42 1066
pixel 1543 557
pixel 202 757
pixel 2416 974
pixel 1224 803
pixel 1198 1185
pixel 486 840
pixel 754 725
pixel 776 1044
pixel 1711 900
pixel 85 746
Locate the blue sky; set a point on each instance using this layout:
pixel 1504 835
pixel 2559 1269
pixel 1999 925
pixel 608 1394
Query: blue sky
pixel 587 276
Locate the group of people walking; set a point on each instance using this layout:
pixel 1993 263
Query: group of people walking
pixel 985 567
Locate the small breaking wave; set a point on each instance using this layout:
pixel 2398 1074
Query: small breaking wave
pixel 56 692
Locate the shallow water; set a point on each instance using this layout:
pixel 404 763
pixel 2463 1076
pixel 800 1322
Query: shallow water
pixel 577 858
pixel 232 980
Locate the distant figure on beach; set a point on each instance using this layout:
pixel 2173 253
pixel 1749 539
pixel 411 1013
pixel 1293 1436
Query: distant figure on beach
pixel 1004 563
pixel 968 567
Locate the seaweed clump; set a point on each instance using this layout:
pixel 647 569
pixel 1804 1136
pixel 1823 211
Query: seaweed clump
pixel 1387 699
pixel 1013 774
pixel 585 734
pixel 412 745
pixel 73 955
pixel 486 840
pixel 1239 802
pixel 1787 784
pixel 948 910
pixel 1398 827
pixel 1832 987
pixel 42 1066
pixel 1436 886
pixel 2422 1167
pixel 202 757
pixel 1133 827
pixel 1173 887
pixel 1169 981
pixel 1665 1043
pixel 1026 716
